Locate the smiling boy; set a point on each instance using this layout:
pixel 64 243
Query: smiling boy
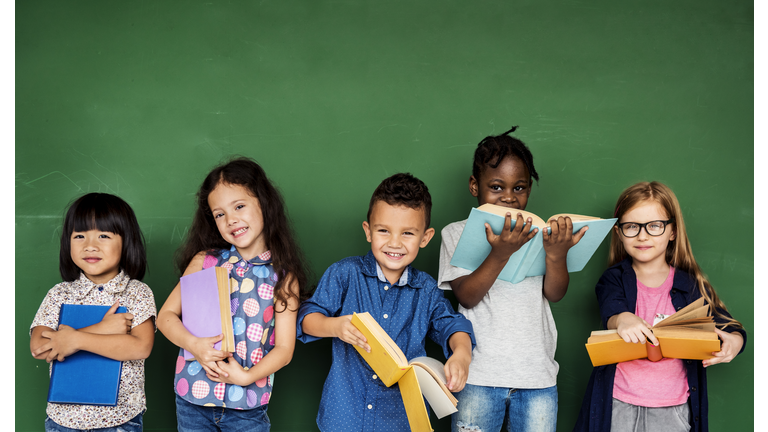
pixel 406 303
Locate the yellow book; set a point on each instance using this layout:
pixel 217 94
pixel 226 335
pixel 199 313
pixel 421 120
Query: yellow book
pixel 422 376
pixel 688 334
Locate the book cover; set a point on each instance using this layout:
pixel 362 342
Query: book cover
pixel 205 308
pixel 687 334
pixel 422 377
pixel 85 377
pixel 530 259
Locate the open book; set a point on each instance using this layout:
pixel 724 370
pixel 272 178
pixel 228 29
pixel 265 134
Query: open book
pixel 529 260
pixel 687 334
pixel 421 376
pixel 205 307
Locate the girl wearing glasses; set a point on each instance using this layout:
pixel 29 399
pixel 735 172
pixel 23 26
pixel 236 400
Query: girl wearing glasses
pixel 652 274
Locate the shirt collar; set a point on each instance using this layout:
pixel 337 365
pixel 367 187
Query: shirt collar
pixel 82 286
pixel 410 277
pixel 261 259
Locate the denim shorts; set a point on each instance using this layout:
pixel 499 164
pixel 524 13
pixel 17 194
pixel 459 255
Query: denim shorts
pixel 198 418
pixel 487 408
pixel 135 424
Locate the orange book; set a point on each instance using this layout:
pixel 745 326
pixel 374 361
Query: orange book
pixel 688 334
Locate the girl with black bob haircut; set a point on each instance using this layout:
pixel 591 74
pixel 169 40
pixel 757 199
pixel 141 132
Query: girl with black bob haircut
pixel 103 212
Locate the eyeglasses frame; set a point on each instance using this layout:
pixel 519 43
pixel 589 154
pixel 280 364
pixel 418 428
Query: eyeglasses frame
pixel 644 226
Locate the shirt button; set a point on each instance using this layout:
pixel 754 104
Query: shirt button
pixel 693 388
pixel 374 376
pixel 370 406
pixel 386 316
pixel 386 287
pixel 101 288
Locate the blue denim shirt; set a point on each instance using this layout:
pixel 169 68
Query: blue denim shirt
pixel 616 293
pixel 353 398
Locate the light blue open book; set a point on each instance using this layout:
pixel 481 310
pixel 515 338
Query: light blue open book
pixel 473 247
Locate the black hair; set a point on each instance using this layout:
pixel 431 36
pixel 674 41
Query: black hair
pixel 403 189
pixel 103 212
pixel 204 235
pixel 493 149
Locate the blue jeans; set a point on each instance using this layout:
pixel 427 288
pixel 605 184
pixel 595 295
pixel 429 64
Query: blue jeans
pixel 135 424
pixel 486 408
pixel 198 418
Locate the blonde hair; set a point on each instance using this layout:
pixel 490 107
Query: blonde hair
pixel 679 254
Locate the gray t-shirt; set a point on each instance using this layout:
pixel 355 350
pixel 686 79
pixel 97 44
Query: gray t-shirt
pixel 514 329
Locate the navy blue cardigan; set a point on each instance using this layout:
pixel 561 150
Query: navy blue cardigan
pixel 616 293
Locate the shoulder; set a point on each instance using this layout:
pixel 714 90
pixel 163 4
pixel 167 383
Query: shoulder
pixel 453 228
pixel 422 279
pixel 138 287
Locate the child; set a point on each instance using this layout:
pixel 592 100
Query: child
pixel 404 301
pixel 513 375
pixel 239 224
pixel 652 272
pixel 102 261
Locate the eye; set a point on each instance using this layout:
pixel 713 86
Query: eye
pixel 656 226
pixel 217 215
pixel 519 188
pixel 408 233
pixel 104 236
pixel 382 230
pixel 631 226
pixel 495 188
pixel 239 206
pixel 77 236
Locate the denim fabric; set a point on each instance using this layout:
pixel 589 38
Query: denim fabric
pixel 354 399
pixel 135 424
pixel 486 408
pixel 197 418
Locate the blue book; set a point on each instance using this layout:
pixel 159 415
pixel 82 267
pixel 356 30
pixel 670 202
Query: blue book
pixel 85 377
pixel 529 260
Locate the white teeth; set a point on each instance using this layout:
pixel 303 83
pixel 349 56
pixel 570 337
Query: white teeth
pixel 240 231
pixel 395 255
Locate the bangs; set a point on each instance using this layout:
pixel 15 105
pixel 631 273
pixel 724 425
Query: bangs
pixel 93 213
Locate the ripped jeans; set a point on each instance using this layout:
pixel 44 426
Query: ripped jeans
pixel 484 409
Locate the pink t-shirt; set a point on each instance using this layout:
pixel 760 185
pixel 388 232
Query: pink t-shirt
pixel 643 382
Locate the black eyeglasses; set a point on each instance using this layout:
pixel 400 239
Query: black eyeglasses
pixel 653 228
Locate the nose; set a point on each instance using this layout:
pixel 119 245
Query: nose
pixel 507 198
pixel 231 220
pixel 90 244
pixel 395 241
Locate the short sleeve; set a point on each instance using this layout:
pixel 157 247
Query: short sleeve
pixel 140 303
pixel 450 238
pixel 48 313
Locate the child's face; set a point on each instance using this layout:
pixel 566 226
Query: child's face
pixel 507 185
pixel 97 253
pixel 646 249
pixel 239 218
pixel 396 233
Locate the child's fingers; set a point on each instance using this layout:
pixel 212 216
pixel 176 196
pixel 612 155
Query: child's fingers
pixel 580 234
pixel 113 308
pixel 489 235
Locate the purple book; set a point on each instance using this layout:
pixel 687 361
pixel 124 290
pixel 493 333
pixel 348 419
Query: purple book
pixel 205 310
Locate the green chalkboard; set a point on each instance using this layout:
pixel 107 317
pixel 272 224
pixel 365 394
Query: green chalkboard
pixel 141 99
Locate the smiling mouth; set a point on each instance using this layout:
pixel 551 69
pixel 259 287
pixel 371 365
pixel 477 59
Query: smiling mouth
pixel 92 260
pixel 394 255
pixel 239 232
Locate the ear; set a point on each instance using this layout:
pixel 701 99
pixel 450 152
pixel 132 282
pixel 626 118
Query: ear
pixel 674 234
pixel 473 187
pixel 367 229
pixel 428 234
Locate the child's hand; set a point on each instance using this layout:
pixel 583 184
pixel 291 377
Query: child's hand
pixel 113 323
pixel 207 356
pixel 509 240
pixel 344 330
pixel 557 244
pixel 732 343
pixel 634 329
pixel 456 371
pixel 231 373
pixel 61 344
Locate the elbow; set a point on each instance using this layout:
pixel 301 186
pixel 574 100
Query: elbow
pixel 468 303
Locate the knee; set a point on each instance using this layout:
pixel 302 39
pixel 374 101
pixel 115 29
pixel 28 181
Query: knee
pixel 464 427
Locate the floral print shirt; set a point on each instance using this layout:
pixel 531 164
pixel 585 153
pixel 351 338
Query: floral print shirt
pixel 139 300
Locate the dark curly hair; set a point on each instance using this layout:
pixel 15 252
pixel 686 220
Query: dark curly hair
pixel 203 235
pixel 493 149
pixel 403 189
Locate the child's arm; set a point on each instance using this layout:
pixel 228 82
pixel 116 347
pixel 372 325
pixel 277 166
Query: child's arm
pixel 279 356
pixel 631 328
pixel 112 323
pixel 457 367
pixel 170 324
pixel 470 290
pixel 556 246
pixel 732 343
pixel 319 325
pixel 61 343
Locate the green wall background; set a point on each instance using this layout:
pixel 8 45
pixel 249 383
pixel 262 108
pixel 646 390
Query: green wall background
pixel 141 99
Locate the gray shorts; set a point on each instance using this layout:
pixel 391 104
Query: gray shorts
pixel 632 418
